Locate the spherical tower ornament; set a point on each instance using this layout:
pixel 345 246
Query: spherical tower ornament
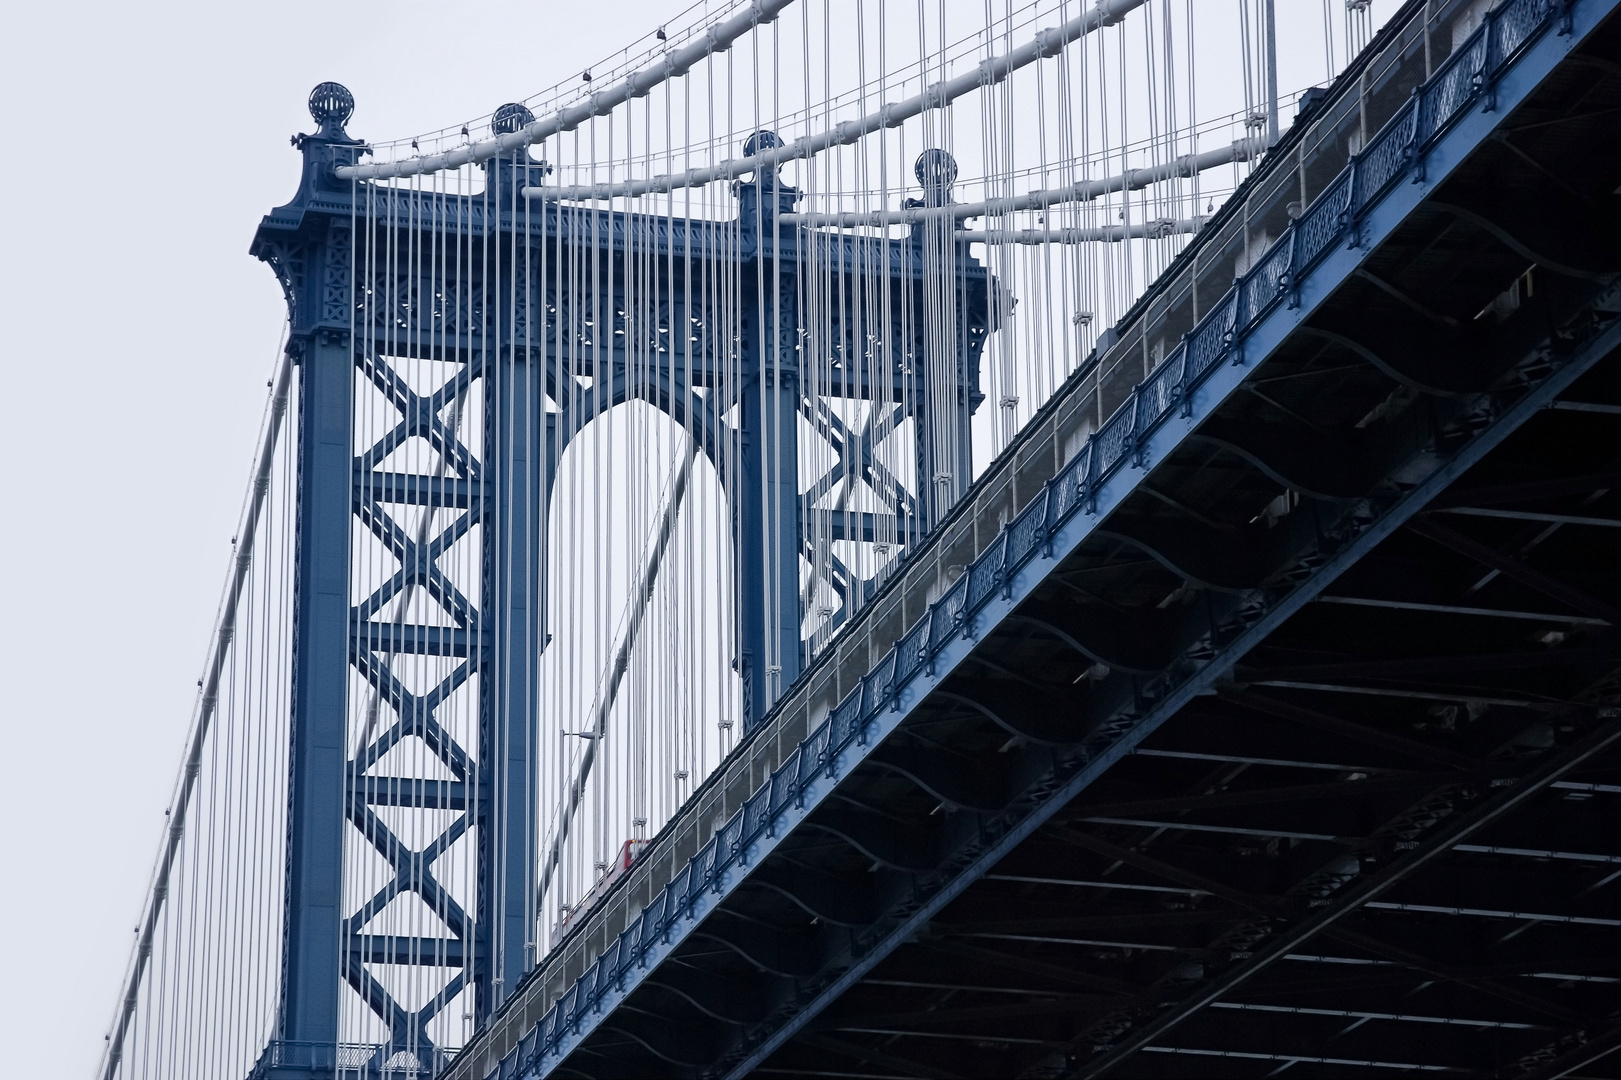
pixel 760 142
pixel 935 169
pixel 331 105
pixel 510 118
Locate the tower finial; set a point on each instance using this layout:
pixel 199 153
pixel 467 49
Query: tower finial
pixel 936 170
pixel 511 117
pixel 331 105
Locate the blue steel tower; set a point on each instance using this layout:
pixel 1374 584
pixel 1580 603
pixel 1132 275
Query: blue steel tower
pixel 347 332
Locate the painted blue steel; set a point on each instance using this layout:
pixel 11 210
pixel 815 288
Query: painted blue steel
pixel 768 503
pixel 341 327
pixel 312 975
pixel 1173 390
pixel 315 272
pixel 520 462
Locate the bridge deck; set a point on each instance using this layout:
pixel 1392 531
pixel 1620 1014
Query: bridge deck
pixel 1288 691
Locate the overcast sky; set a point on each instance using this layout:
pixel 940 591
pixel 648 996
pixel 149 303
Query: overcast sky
pixel 147 140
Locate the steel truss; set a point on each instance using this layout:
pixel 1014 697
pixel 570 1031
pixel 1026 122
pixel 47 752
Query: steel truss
pixel 370 283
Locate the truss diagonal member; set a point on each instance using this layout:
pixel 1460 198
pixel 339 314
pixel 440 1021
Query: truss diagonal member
pixel 419 416
pixel 416 715
pixel 416 718
pixel 1459 829
pixel 412 869
pixel 384 682
pixel 433 431
pixel 857 449
pixel 418 563
pixel 442 743
pixel 436 1004
pixel 366 912
pixel 457 385
pixel 415 877
pixel 403 1032
pixel 388 590
pixel 1510 567
pixel 395 851
pixel 417 558
pixel 837 575
pixel 441 843
pixel 414 709
pixel 447 686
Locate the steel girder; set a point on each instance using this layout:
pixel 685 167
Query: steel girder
pixel 1044 720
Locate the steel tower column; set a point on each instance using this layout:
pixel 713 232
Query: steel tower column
pixel 315 267
pixel 513 605
pixel 311 969
pixel 768 496
pixel 519 457
pixel 946 389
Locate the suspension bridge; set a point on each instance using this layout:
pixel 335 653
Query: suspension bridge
pixel 851 541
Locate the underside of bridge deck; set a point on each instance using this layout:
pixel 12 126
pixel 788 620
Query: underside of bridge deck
pixel 1388 841
pixel 1383 836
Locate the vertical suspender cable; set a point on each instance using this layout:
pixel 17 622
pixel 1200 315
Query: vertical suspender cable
pixel 213 669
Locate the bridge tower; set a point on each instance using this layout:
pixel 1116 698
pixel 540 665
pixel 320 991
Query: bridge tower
pixel 356 311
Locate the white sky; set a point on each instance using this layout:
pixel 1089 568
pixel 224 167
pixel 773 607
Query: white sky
pixel 147 140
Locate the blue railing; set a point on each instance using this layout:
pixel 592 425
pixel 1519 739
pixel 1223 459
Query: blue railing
pixel 1393 153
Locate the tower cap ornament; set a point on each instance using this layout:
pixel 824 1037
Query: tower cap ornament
pixel 331 105
pixel 935 168
pixel 511 117
pixel 760 142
